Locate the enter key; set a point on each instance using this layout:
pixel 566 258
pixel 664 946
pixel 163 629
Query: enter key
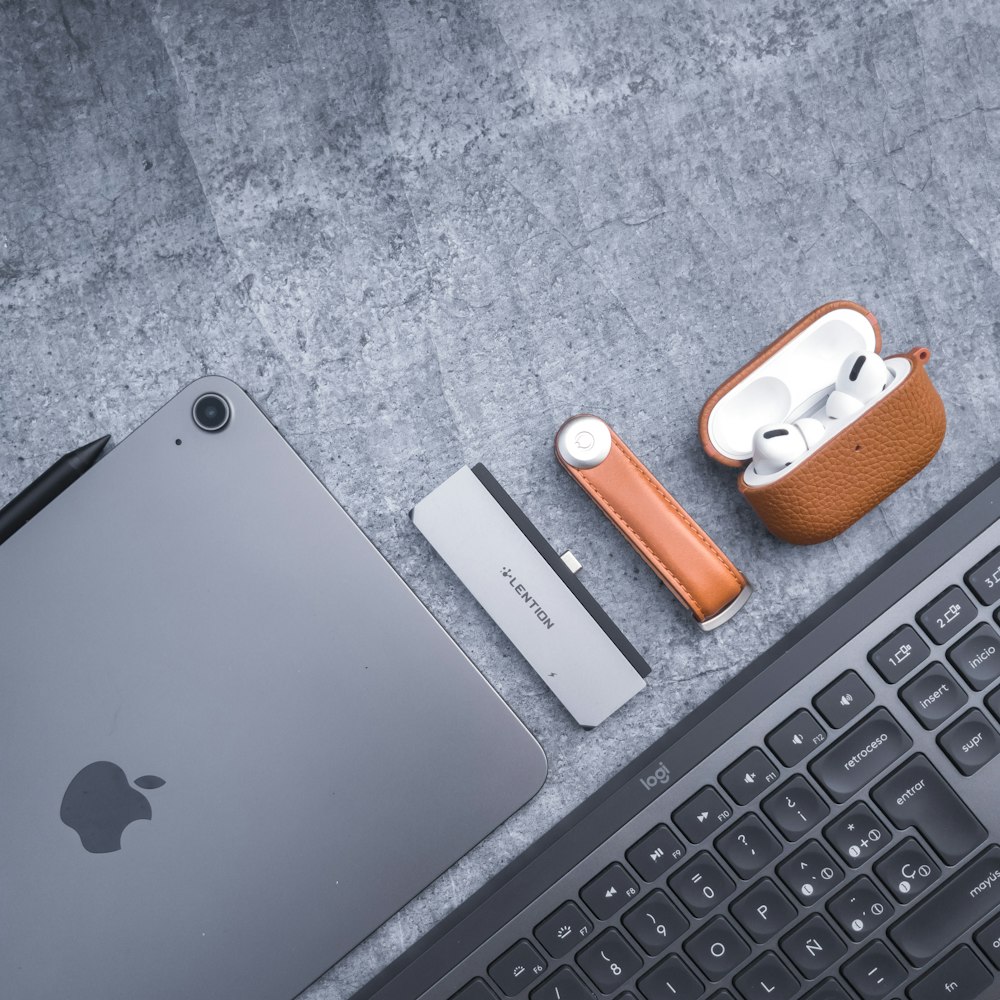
pixel 917 796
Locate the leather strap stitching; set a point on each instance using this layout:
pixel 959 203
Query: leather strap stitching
pixel 680 512
pixel 671 579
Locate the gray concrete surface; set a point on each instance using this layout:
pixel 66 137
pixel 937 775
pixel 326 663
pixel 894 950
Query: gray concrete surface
pixel 423 233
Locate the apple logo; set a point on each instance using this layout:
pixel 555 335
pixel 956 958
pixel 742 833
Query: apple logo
pixel 100 803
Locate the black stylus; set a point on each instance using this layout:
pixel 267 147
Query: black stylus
pixel 39 494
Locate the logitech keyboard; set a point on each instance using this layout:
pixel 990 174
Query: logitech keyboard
pixel 827 826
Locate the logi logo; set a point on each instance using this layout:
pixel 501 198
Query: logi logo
pixel 661 776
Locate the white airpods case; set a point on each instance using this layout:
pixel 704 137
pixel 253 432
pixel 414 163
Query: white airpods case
pixel 859 460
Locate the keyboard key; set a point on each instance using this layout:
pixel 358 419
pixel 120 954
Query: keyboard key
pixel 810 873
pixel 971 742
pixel 610 891
pixel 984 579
pixel 476 990
pixel 988 938
pixel 858 835
pixel 977 657
pixel 829 989
pixel 813 946
pixel 655 854
pixel 748 846
pixel 860 909
pixel 896 656
pixel 767 979
pixel 861 755
pixel 908 871
pixel 947 615
pixel 702 884
pixel 795 808
pixel 875 972
pixel 656 922
pixel 671 980
pixel 763 911
pixel 933 696
pixel 564 985
pixel 950 910
pixel 717 949
pixel 609 961
pixel 560 932
pixel 749 776
pixel 846 698
pixel 917 796
pixel 961 976
pixel 517 968
pixel 702 815
pixel 795 739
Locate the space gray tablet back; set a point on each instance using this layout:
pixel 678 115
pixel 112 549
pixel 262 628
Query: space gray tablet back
pixel 233 741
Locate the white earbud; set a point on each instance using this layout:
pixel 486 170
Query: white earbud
pixel 862 377
pixel 776 446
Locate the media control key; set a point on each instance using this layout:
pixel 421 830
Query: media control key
pixel 917 796
pixel 560 932
pixel 796 738
pixel 846 698
pixel 961 976
pixel 971 742
pixel 656 853
pixel 702 815
pixel 933 696
pixel 749 776
pixel 977 657
pixel 898 655
pixel 947 615
pixel 863 754
pixel 517 968
pixel 950 910
pixel 610 891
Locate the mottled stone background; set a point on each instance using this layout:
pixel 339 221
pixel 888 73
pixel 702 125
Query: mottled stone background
pixel 423 233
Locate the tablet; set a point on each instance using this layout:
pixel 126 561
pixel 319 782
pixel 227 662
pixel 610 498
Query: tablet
pixel 234 742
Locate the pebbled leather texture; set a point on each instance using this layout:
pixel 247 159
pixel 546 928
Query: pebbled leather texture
pixel 865 463
pixel 670 541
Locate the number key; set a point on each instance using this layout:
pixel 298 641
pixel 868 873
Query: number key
pixel 609 961
pixel 702 884
pixel 896 656
pixel 947 615
pixel 656 922
pixel 984 579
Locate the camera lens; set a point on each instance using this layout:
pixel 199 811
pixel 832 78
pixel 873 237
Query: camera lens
pixel 211 412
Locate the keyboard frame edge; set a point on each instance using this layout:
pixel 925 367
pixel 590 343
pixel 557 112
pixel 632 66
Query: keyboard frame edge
pixel 683 746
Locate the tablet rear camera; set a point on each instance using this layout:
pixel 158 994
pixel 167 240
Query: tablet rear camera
pixel 211 412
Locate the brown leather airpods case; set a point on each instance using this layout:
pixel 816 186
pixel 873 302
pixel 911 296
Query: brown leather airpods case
pixel 859 462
